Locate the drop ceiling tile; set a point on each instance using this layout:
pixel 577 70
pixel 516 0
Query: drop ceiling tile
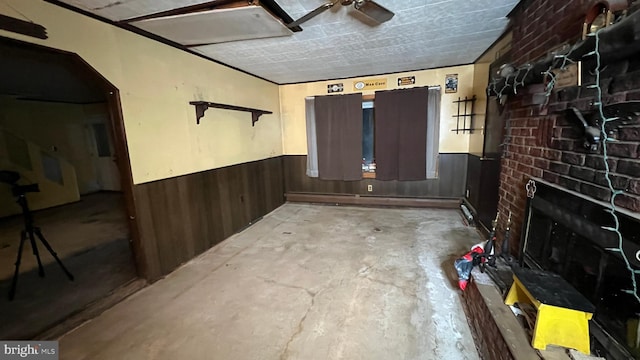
pixel 337 44
pixel 216 26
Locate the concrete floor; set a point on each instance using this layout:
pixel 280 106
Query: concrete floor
pixel 306 282
pixel 90 237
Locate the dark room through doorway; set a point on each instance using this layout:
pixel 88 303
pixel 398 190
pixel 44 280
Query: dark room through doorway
pixel 56 131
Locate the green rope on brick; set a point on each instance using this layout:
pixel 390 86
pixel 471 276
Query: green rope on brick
pixel 614 192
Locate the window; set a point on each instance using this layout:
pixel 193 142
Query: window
pixel 349 137
pixel 368 146
pixel 51 168
pixel 102 139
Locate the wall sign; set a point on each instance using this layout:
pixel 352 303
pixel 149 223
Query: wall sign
pixel 406 80
pixel 371 84
pixel 569 76
pixel 451 83
pixel 334 88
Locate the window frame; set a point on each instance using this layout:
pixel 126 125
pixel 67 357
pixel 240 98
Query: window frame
pixel 370 98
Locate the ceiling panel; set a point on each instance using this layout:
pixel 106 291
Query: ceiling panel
pixel 337 43
pixel 216 26
pixel 117 10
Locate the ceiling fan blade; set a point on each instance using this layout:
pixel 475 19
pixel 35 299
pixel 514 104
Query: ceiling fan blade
pixel 374 11
pixel 313 13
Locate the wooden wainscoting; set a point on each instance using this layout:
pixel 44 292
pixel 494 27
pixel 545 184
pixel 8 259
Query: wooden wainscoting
pixel 181 217
pixel 450 184
pixel 483 181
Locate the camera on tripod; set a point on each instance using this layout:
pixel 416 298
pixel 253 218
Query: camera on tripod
pixel 11 178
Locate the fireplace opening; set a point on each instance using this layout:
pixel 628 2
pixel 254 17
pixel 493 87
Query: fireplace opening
pixel 565 233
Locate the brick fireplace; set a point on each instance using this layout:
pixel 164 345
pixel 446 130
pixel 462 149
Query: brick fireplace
pixel 542 141
pixel 565 234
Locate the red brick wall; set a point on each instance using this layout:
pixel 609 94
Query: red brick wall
pixel 550 146
pixel 541 25
pixel 486 334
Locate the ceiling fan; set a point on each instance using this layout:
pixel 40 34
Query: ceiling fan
pixel 369 8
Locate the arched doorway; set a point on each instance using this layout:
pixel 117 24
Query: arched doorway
pixel 61 127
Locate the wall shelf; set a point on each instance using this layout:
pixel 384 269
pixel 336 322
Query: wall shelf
pixel 202 106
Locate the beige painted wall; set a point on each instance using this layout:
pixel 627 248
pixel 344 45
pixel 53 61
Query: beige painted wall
pixel 293 105
pixel 156 83
pixel 496 50
pixel 480 82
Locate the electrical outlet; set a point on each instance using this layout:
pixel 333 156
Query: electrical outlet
pixel 369 188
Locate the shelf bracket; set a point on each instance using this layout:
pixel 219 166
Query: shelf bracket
pixel 202 106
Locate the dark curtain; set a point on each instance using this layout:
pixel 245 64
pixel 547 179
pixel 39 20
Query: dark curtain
pixel 401 134
pixel 339 136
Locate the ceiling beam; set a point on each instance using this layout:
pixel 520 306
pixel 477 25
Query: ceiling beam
pixel 186 9
pixel 276 10
pixel 270 5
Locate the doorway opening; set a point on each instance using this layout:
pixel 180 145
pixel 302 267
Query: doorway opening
pixel 58 130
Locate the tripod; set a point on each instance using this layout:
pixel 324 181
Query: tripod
pixel 29 231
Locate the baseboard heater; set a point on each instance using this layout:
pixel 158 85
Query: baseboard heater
pixel 350 199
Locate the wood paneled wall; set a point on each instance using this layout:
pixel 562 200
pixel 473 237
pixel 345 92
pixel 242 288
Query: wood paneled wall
pixel 181 217
pixel 452 171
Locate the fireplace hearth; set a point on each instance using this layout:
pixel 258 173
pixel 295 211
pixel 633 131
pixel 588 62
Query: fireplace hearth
pixel 564 233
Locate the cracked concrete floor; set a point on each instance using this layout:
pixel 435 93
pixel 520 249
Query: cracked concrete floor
pixel 306 282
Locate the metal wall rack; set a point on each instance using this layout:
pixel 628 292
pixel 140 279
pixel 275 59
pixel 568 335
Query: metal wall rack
pixel 465 112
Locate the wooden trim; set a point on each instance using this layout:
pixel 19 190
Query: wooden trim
pixel 348 79
pixel 22 27
pixel 126 178
pixel 373 200
pixel 123 161
pixel 269 5
pixel 209 5
pixel 273 7
pixel 59 101
pixel 368 175
pixel 368 97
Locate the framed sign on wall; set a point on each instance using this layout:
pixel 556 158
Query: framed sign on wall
pixel 451 83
